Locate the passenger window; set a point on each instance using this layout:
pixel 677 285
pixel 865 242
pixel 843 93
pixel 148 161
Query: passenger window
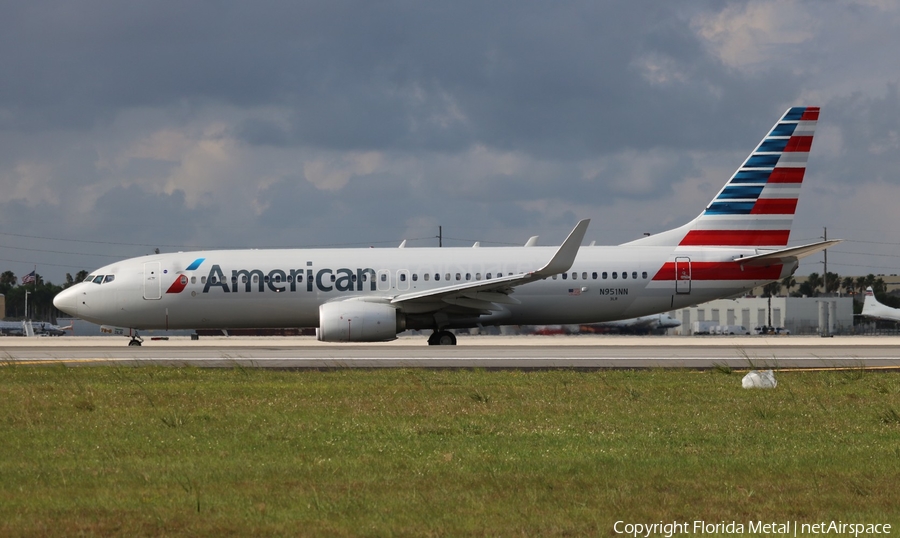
pixel 213 280
pixel 437 276
pixel 554 277
pixel 615 275
pixel 333 278
pixel 352 278
pixel 265 278
pixel 415 277
pixel 584 275
pixel 402 277
pixel 477 276
pixel 447 276
pixel 468 276
pixel 193 280
pixel 624 275
pixel 458 276
pixel 487 276
pixel 594 275
pixel 644 275
pixel 565 276
pixel 604 275
pixel 383 277
pixel 426 276
pixel 300 277
pixel 634 275
pixel 291 278
pixel 574 276
pixel 203 280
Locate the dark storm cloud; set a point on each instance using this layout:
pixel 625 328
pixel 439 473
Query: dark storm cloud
pixel 501 118
pixel 555 79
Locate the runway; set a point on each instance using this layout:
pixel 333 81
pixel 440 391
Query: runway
pixel 519 352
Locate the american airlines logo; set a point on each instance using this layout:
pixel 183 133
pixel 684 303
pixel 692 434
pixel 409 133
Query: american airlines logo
pixel 281 280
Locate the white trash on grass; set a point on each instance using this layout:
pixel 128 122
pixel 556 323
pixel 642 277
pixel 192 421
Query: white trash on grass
pixel 759 380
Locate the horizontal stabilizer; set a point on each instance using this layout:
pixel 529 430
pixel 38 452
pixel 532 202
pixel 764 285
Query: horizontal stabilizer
pixel 786 255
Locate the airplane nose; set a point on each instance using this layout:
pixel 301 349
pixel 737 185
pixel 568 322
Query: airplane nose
pixel 67 301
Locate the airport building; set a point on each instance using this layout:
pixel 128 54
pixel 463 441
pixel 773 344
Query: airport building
pixel 799 315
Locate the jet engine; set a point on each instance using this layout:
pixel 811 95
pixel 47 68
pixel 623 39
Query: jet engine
pixel 355 320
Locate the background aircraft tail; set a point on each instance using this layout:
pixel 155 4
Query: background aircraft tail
pixel 873 309
pixel 756 207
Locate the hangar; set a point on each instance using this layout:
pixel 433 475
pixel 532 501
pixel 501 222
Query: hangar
pixel 800 315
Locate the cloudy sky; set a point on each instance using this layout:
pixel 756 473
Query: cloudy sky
pixel 129 126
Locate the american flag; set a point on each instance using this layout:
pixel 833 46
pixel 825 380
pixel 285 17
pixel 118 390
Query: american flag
pixel 29 278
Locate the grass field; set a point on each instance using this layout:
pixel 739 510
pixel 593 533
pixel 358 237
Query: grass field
pixel 184 451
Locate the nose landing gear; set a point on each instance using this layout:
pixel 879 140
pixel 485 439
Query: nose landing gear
pixel 135 340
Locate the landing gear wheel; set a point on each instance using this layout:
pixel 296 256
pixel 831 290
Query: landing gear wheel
pixel 442 338
pixel 135 340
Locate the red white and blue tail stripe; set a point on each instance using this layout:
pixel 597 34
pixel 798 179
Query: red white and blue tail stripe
pixel 756 207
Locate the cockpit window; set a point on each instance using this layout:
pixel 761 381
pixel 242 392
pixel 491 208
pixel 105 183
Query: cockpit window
pixel 98 279
pixel 89 278
pixel 109 278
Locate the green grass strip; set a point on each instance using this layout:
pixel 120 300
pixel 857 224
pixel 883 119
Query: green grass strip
pixel 185 451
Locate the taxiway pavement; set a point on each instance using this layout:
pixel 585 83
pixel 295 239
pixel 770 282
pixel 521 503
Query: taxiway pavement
pixel 522 352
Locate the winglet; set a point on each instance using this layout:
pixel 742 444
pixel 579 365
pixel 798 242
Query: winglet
pixel 565 256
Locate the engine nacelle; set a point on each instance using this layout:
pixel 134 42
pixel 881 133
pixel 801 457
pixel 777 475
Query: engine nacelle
pixel 355 320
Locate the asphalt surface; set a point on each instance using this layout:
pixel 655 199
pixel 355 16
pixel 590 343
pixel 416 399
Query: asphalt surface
pixel 520 352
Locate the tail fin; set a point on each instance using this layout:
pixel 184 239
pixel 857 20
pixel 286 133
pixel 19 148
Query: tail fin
pixel 873 309
pixel 756 207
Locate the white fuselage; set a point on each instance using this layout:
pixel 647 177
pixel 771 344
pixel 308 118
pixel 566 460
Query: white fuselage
pixel 284 288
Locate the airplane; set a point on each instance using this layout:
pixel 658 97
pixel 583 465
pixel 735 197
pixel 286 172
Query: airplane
pixel 644 324
pixel 873 309
pixel 19 328
pixel 639 325
pixel 738 242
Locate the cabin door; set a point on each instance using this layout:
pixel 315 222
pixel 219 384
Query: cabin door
pixel 682 275
pixel 152 281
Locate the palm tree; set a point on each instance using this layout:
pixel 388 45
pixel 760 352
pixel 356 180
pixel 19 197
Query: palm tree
pixel 788 282
pixel 847 285
pixel 832 282
pixel 771 289
pixel 860 284
pixel 814 282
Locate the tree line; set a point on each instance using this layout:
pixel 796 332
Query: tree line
pixel 831 283
pixel 40 296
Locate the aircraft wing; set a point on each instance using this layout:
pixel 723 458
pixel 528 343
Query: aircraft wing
pixel 787 254
pixel 482 294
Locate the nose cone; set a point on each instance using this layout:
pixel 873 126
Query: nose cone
pixel 67 301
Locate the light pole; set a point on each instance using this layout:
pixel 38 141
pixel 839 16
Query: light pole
pixel 26 304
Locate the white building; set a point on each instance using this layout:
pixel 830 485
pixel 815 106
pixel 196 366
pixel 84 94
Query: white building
pixel 800 315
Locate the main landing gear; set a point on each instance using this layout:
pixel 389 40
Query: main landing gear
pixel 442 338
